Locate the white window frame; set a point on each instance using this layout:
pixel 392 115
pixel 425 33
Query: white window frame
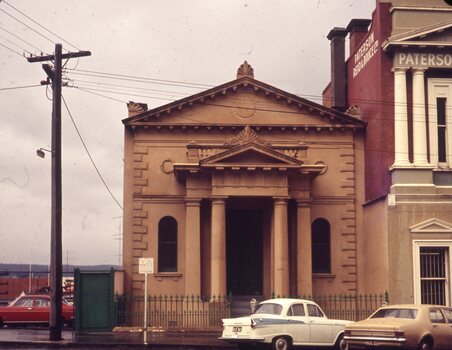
pixel 417 245
pixel 438 87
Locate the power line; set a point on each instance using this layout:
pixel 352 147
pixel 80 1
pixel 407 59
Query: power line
pixel 20 87
pixel 17 37
pixel 26 25
pixel 14 44
pixel 10 49
pixel 88 153
pixel 96 94
pixel 35 22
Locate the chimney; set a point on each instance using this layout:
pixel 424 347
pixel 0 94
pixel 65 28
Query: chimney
pixel 338 68
pixel 358 29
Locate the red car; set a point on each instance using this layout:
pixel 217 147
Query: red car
pixel 33 309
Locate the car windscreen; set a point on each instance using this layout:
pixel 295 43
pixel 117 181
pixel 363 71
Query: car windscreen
pixel 395 313
pixel 268 308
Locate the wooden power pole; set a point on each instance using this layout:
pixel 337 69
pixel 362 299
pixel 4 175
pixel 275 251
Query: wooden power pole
pixel 56 247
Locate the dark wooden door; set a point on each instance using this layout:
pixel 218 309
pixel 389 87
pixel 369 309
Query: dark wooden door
pixel 244 252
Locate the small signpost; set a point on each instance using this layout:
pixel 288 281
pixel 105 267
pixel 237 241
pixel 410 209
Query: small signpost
pixel 145 266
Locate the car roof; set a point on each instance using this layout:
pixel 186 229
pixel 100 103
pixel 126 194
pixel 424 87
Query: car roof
pixel 287 301
pixel 412 306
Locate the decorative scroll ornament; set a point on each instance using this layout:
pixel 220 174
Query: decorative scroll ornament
pixel 135 108
pixel 247 135
pixel 245 70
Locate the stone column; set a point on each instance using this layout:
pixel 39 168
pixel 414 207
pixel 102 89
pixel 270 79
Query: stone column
pixel 193 247
pixel 218 247
pixel 400 119
pixel 304 248
pixel 419 119
pixel 280 248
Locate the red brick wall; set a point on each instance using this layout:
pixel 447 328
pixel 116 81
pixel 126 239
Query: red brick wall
pixel 373 90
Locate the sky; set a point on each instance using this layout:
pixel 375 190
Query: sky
pixel 148 51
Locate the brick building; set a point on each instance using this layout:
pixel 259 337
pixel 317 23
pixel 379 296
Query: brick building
pixel 398 78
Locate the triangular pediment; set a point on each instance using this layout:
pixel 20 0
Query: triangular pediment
pixel 432 226
pixel 437 35
pixel 250 155
pixel 244 100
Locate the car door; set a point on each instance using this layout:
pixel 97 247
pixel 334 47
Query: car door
pixel 299 324
pixel 440 328
pixel 41 310
pixel 321 331
pixel 447 311
pixel 20 311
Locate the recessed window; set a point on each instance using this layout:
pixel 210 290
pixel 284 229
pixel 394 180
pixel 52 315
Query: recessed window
pixel 167 253
pixel 321 250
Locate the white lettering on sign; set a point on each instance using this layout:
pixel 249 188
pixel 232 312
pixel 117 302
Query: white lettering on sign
pixel 423 59
pixel 365 53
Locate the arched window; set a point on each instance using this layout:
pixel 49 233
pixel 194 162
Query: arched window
pixel 167 254
pixel 321 250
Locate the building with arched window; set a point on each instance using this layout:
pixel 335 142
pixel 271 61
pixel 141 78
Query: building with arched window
pixel 238 189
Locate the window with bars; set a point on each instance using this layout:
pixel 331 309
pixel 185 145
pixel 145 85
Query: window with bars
pixel 433 275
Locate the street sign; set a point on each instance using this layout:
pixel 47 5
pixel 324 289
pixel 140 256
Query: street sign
pixel 146 265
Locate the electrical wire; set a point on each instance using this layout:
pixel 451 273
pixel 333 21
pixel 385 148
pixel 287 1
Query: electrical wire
pixel 89 154
pixel 40 25
pixel 26 25
pixel 10 49
pixel 20 87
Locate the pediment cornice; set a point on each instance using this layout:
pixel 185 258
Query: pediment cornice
pixel 422 37
pixel 244 82
pixel 432 226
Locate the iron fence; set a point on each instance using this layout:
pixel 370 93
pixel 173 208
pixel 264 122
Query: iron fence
pixel 201 312
pixel 174 311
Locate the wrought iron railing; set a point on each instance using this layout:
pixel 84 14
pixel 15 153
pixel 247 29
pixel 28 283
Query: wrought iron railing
pixel 174 311
pixel 202 312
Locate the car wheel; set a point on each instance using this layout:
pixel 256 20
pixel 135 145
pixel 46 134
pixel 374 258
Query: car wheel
pixel 425 344
pixel 341 344
pixel 281 343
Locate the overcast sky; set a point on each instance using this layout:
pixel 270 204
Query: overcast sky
pixel 191 41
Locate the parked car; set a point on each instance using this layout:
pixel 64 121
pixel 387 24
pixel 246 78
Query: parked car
pixel 32 309
pixel 283 323
pixel 422 327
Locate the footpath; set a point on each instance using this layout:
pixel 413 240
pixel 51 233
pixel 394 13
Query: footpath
pixel 38 338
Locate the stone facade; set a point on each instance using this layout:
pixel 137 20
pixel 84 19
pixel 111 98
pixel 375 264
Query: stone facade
pixel 237 176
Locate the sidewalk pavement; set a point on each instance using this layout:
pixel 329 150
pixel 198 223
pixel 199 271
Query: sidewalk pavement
pixel 34 338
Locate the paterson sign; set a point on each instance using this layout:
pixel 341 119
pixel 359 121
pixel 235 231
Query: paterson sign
pixel 424 59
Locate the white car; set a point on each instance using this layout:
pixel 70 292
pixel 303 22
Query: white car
pixel 283 323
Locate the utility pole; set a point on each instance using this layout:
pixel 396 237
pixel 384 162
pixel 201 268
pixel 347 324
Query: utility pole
pixel 56 247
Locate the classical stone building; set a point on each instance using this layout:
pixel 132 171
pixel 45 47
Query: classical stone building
pixel 398 78
pixel 243 189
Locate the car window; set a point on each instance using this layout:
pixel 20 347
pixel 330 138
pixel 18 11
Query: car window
pixel 296 310
pixel 314 311
pixel 448 314
pixel 42 302
pixel 436 316
pixel 395 313
pixel 24 302
pixel 268 308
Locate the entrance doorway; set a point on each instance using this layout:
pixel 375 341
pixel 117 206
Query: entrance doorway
pixel 244 235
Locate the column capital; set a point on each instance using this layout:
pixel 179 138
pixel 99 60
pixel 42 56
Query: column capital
pixel 418 70
pixel 218 199
pixel 281 200
pixel 192 202
pixel 303 202
pixel 399 70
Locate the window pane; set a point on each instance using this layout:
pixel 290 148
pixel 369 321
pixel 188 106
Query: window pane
pixel 167 253
pixel 441 120
pixel 433 275
pixel 321 256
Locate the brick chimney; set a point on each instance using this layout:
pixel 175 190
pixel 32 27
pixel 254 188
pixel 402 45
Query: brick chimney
pixel 358 29
pixel 338 68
